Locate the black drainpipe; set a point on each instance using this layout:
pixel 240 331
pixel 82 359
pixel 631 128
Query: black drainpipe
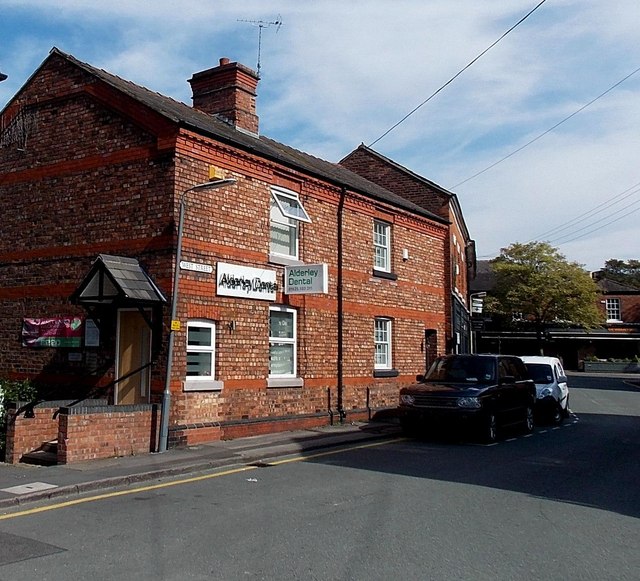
pixel 340 368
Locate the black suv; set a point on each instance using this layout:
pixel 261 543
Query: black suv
pixel 487 392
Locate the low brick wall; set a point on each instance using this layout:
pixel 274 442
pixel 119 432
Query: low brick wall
pixel 26 434
pixel 89 433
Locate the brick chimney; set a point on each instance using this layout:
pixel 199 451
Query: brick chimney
pixel 228 91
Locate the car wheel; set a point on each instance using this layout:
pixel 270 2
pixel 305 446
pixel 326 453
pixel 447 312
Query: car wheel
pixel 489 429
pixel 565 411
pixel 556 415
pixel 528 419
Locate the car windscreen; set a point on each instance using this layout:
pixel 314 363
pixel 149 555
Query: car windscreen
pixel 540 372
pixel 462 370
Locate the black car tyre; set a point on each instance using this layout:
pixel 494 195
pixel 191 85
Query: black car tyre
pixel 489 428
pixel 556 415
pixel 565 412
pixel 528 419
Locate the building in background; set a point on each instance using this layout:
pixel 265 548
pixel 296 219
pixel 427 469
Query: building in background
pixel 618 338
pixel 460 259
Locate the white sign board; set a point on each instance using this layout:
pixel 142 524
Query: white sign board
pixel 246 282
pixel 196 266
pixel 306 279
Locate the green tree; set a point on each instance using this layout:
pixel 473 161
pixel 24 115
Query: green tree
pixel 536 281
pixel 623 272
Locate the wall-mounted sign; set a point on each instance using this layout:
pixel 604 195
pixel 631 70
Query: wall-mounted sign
pixel 246 282
pixel 53 332
pixel 306 279
pixel 196 266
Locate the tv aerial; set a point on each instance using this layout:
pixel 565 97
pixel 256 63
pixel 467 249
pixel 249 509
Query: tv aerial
pixel 263 24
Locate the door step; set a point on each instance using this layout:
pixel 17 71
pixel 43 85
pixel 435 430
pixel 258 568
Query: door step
pixel 46 455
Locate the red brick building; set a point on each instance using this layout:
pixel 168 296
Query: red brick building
pixel 306 293
pixel 460 252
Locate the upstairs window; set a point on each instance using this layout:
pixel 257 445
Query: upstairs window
pixel 613 310
pixel 381 246
pixel 287 212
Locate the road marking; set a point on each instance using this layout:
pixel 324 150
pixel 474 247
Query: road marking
pixel 200 478
pixel 31 487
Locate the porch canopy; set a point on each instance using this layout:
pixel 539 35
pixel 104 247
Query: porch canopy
pixel 117 281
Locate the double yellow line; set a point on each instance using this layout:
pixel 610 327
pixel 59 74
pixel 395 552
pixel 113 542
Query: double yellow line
pixel 190 480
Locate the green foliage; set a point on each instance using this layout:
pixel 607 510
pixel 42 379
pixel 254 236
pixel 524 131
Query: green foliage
pixel 12 391
pixel 623 272
pixel 17 391
pixel 535 280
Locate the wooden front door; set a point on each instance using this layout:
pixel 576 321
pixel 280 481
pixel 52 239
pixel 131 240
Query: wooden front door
pixel 134 351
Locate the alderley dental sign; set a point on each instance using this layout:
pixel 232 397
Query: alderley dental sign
pixel 246 282
pixel 306 279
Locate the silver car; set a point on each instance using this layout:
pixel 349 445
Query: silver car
pixel 552 391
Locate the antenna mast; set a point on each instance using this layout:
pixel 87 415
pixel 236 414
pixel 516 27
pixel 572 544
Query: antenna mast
pixel 263 24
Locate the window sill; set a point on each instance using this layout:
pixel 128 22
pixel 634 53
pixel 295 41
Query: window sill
pixel 384 274
pixel 202 385
pixel 285 382
pixel 385 373
pixel 284 260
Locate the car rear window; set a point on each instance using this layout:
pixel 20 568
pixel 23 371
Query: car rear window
pixel 540 372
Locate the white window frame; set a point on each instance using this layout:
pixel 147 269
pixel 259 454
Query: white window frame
pixel 291 211
pixel 381 246
pixel 613 308
pixel 382 339
pixel 285 379
pixel 202 382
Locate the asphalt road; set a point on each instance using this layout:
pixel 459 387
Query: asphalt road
pixel 563 503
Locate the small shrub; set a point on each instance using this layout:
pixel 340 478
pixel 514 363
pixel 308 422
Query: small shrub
pixel 12 391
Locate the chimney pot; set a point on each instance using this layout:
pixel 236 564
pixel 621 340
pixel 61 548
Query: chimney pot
pixel 224 61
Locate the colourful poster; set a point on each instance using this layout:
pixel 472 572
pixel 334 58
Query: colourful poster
pixel 53 332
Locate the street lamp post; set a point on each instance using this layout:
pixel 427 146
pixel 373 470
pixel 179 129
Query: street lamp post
pixel 166 394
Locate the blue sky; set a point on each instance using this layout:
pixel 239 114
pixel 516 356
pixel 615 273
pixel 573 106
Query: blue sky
pixel 337 74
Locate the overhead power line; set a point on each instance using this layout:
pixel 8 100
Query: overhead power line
pixel 475 175
pixel 486 50
pixel 607 204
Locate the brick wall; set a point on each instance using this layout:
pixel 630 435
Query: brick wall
pixel 90 433
pixel 26 434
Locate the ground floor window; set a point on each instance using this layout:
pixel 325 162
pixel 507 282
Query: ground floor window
pixel 382 341
pixel 282 342
pixel 201 349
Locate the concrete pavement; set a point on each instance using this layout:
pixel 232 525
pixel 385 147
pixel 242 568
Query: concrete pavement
pixel 22 483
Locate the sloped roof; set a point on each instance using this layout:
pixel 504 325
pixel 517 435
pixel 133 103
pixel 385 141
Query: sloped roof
pixel 117 280
pixel 609 286
pixel 485 279
pixel 188 117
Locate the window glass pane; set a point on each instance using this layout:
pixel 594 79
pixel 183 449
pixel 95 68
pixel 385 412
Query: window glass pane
pixel 281 359
pixel 199 364
pixel 291 207
pixel 281 325
pixel 199 336
pixel 382 355
pixel 284 239
pixel 381 245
